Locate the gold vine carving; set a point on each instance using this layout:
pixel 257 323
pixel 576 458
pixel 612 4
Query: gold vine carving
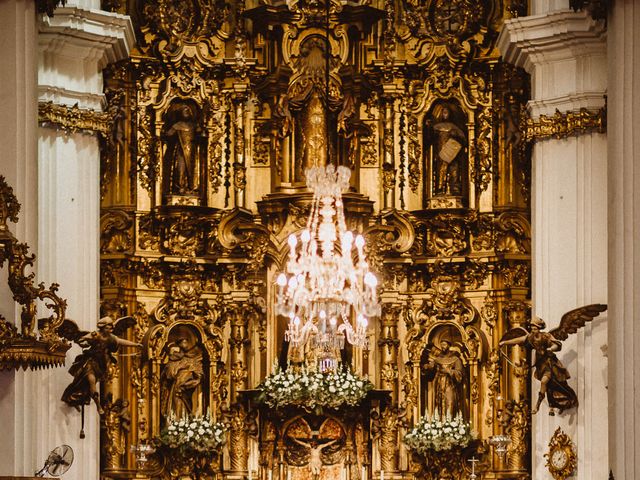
pixel 563 125
pixel 74 119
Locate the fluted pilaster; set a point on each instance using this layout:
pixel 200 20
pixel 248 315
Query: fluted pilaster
pixel 20 450
pixel 74 47
pixel 624 235
pixel 565 53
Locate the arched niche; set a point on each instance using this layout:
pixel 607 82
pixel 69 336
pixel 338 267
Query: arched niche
pixel 184 381
pixel 446 155
pixel 184 149
pixel 180 363
pixel 446 369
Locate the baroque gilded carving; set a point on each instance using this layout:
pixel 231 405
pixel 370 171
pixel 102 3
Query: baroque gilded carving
pixel 514 419
pixel 392 235
pixel 214 119
pixel 563 125
pixel 445 301
pixel 74 119
pixel 115 424
pixel 25 342
pixel 385 427
pixel 115 232
pixel 185 299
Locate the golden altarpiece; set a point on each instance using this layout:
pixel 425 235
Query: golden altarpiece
pixel 216 116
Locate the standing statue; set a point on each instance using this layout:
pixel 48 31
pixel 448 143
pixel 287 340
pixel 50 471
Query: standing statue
pixel 182 153
pixel 181 380
pixel 549 370
pixel 315 454
pixel 448 146
pixel 90 367
pixel 448 377
pixel 283 115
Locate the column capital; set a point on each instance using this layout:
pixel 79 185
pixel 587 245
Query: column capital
pixel 79 43
pixel 565 53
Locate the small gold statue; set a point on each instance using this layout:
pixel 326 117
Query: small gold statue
pixel 549 370
pixel 90 367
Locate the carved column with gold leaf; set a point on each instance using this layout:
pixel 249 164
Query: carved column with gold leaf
pixel 565 52
pixel 389 419
pixel 239 343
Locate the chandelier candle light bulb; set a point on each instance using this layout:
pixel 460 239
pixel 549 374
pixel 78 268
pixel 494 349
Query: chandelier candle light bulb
pixel 330 292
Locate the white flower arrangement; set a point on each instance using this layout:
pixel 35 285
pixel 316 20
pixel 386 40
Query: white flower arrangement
pixel 193 434
pixel 314 389
pixel 439 433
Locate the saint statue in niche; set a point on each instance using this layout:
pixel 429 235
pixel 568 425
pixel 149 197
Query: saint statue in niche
pixel 447 145
pixel 182 158
pixel 181 380
pixel 446 375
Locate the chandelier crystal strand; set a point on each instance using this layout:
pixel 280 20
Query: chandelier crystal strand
pixel 328 292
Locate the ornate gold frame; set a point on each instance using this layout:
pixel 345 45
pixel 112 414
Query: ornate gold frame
pixel 560 441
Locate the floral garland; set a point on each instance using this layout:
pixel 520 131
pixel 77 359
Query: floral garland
pixel 192 434
pixel 314 389
pixel 439 433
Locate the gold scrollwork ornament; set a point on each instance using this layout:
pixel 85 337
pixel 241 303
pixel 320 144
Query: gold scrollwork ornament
pixel 561 458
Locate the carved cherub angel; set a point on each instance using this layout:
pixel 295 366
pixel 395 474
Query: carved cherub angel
pixel 90 367
pixel 549 370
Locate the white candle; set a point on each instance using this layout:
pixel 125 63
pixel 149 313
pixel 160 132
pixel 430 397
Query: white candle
pixel 364 473
pixel 269 475
pixel 288 474
pixel 381 474
pixel 249 474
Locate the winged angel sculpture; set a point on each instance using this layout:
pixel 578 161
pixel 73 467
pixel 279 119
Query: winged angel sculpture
pixel 549 370
pixel 90 367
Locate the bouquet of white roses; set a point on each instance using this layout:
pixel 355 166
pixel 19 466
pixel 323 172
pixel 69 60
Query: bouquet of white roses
pixel 192 434
pixel 314 389
pixel 439 433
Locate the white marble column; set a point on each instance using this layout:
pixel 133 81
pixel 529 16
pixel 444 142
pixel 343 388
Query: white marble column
pixel 18 164
pixel 74 47
pixel 565 53
pixel 624 237
pixel 56 179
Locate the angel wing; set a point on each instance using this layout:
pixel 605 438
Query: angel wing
pixel 514 333
pixel 121 325
pixel 575 319
pixel 70 330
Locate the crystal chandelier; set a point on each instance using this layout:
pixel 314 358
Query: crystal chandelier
pixel 328 293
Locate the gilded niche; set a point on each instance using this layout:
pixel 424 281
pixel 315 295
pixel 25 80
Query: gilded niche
pixel 446 380
pixel 183 376
pixel 183 157
pixel 447 148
